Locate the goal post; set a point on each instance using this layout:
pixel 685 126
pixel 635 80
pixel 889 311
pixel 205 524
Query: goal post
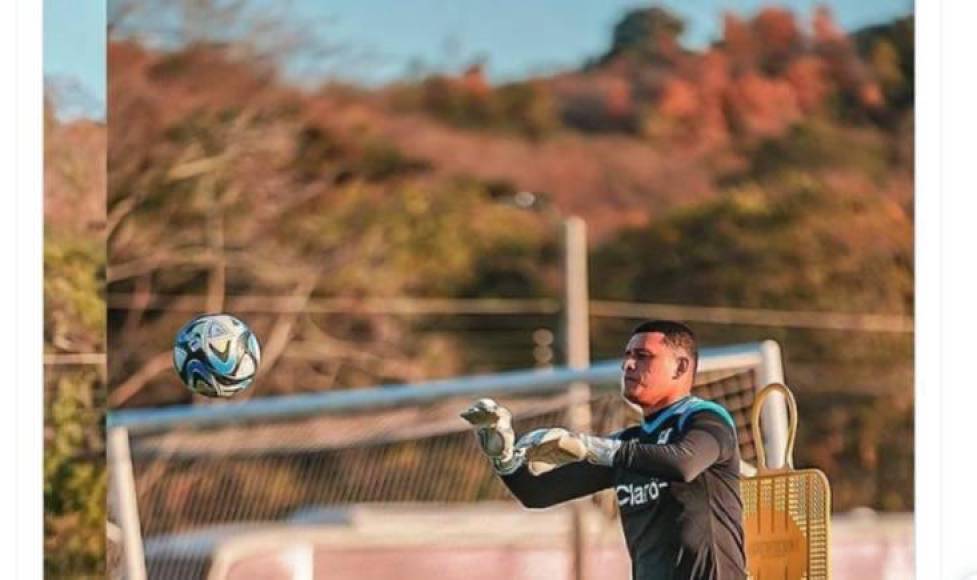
pixel 123 505
pixel 203 475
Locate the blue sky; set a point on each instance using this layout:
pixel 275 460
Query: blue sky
pixel 74 54
pixel 516 37
pixel 381 40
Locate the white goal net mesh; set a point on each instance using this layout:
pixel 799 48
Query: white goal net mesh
pixel 198 486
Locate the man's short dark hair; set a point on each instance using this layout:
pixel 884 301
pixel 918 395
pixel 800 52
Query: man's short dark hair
pixel 677 335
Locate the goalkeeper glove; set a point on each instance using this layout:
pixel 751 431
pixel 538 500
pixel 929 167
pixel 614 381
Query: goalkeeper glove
pixel 493 429
pixel 547 449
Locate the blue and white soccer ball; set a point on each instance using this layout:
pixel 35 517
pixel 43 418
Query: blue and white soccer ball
pixel 216 355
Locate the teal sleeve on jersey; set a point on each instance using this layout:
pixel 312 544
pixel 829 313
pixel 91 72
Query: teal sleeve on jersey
pixel 702 405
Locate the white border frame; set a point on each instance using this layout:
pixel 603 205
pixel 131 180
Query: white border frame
pixel 946 286
pixel 941 380
pixel 21 159
pixel 946 206
pixel 927 226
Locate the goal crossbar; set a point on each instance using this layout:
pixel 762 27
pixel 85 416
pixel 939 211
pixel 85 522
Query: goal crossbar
pixel 764 355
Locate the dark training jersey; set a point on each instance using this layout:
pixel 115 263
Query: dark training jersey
pixel 676 477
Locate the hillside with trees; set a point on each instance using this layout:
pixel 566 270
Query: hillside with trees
pixel 74 324
pixel 772 170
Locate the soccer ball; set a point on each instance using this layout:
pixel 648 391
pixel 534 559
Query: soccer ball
pixel 216 355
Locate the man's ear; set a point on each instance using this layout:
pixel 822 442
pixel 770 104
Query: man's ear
pixel 683 366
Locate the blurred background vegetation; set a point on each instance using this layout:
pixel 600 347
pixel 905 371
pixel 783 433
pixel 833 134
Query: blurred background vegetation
pixel 769 170
pixel 74 345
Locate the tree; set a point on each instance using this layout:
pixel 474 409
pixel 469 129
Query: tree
pixel 790 243
pixel 650 34
pixel 889 50
pixel 74 322
pixel 216 194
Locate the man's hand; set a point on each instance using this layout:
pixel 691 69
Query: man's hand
pixel 493 429
pixel 548 449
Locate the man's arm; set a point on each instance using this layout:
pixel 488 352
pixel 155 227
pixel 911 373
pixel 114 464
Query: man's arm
pixel 535 484
pixel 708 440
pixel 559 485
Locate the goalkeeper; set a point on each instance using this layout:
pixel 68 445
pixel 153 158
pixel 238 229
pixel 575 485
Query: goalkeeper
pixel 676 475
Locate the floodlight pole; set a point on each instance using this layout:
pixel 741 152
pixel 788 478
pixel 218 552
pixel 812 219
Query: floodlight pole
pixel 577 347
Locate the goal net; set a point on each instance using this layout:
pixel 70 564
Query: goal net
pixel 200 483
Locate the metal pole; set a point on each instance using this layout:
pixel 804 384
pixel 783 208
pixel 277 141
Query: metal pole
pixel 774 415
pixel 124 490
pixel 301 560
pixel 576 321
pixel 577 345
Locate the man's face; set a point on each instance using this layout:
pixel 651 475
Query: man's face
pixel 653 373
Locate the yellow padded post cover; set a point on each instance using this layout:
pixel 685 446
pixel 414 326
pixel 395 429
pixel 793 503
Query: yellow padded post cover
pixel 786 512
